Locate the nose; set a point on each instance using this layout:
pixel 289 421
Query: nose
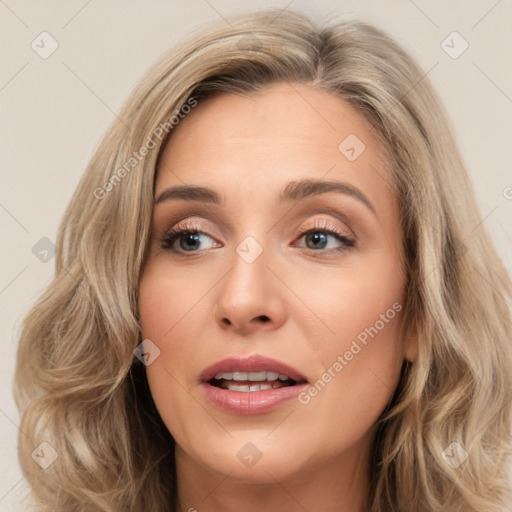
pixel 250 297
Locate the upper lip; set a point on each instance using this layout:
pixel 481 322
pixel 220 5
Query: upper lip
pixel 252 363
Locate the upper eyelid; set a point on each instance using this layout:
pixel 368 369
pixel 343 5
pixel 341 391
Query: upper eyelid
pixel 325 225
pixel 189 223
pixel 338 214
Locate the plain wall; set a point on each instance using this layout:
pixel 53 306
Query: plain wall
pixel 55 111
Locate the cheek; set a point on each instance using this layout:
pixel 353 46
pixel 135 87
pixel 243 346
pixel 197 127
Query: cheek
pixel 173 315
pixel 171 303
pixel 358 357
pixel 354 302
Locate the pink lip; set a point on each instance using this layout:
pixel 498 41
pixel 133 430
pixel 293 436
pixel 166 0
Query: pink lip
pixel 253 402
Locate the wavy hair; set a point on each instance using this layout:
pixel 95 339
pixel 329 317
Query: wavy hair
pixel 78 385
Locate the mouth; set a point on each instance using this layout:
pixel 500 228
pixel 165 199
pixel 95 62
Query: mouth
pixel 251 371
pixel 251 385
pixel 247 382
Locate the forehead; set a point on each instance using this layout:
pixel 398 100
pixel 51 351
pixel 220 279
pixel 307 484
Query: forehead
pixel 264 140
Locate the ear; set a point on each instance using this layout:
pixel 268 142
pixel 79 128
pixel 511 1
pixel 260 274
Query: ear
pixel 411 345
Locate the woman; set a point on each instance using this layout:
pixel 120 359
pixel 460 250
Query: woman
pixel 272 291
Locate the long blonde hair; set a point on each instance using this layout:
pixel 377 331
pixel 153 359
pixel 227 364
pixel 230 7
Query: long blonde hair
pixel 78 385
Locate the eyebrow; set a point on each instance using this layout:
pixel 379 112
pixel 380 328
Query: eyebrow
pixel 294 191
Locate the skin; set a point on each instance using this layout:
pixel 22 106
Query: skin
pixel 208 304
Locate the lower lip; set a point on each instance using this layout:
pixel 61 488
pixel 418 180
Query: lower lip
pixel 251 402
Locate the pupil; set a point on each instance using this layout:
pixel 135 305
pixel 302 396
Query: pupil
pixel 190 236
pixel 316 237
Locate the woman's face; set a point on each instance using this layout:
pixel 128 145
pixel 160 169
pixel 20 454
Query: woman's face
pixel 287 276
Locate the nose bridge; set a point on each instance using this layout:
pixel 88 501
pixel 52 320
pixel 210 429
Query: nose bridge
pixel 249 294
pixel 247 281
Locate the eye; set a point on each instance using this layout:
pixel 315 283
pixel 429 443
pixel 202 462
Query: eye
pixel 189 239
pixel 326 237
pixel 323 237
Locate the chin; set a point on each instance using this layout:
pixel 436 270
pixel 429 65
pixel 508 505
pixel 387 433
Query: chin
pixel 251 457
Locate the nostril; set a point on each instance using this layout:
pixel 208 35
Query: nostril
pixel 263 318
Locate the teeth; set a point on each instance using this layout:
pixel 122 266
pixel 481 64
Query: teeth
pixel 246 388
pixel 225 376
pixel 251 376
pixel 246 382
pixel 235 387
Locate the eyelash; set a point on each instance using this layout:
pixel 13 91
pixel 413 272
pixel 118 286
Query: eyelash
pixel 169 237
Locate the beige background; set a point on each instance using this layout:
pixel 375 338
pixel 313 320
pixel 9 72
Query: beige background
pixel 55 110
